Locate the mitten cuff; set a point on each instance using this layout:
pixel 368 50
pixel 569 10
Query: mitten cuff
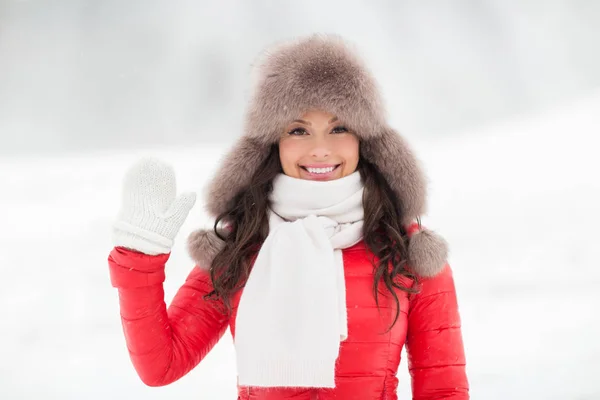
pixel 139 239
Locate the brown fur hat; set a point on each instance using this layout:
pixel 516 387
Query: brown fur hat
pixel 321 72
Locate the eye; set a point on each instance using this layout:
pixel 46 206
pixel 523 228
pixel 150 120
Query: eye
pixel 339 129
pixel 297 132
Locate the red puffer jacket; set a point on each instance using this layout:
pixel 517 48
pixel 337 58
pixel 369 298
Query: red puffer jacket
pixel 166 344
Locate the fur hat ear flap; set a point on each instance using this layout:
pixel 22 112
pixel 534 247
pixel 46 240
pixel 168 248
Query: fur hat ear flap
pixel 203 246
pixel 402 170
pixel 427 251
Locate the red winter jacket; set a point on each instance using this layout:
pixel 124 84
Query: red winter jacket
pixel 165 344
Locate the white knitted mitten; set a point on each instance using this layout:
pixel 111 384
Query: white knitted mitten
pixel 151 215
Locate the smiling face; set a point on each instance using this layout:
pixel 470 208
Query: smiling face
pixel 318 147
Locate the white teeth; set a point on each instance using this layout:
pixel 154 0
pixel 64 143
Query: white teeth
pixel 320 170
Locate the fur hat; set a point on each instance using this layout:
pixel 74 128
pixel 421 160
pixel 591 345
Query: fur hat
pixel 321 72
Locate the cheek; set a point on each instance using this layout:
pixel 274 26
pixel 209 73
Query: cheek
pixel 289 154
pixel 350 151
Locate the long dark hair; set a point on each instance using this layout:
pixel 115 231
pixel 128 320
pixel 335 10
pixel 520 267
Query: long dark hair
pixel 248 226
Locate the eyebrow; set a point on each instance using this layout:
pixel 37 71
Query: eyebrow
pixel 309 124
pixel 302 122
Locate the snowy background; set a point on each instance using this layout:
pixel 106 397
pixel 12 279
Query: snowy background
pixel 500 101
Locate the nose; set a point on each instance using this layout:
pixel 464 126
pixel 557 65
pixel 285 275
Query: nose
pixel 320 150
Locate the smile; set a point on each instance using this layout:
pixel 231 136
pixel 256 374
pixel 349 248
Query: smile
pixel 320 170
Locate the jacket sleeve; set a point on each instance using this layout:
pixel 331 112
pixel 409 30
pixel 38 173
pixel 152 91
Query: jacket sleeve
pixel 436 357
pixel 164 344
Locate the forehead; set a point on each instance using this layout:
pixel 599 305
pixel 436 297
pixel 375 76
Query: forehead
pixel 316 116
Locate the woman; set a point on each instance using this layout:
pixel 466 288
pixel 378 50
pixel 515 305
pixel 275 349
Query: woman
pixel 317 262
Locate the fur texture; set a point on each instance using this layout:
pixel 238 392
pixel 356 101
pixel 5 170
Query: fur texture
pixel 427 253
pixel 235 173
pixel 203 246
pixel 320 72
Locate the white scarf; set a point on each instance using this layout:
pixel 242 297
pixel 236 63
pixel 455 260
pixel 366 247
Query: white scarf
pixel 292 313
